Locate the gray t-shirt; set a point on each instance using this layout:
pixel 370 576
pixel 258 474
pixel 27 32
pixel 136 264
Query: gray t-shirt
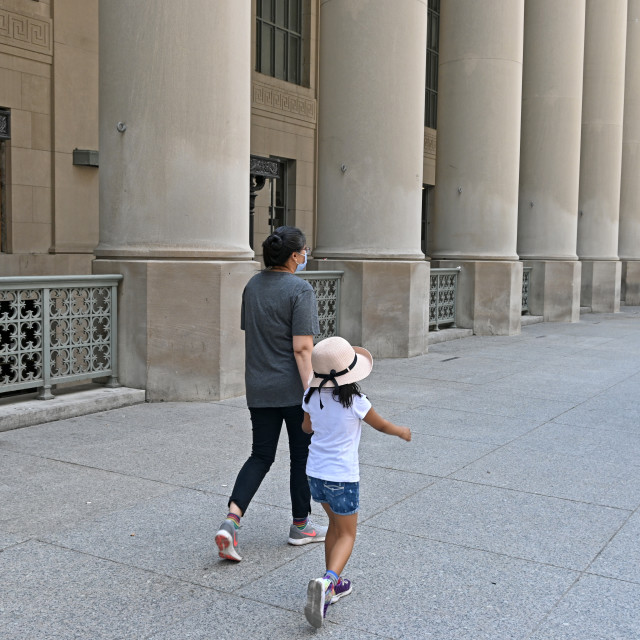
pixel 276 306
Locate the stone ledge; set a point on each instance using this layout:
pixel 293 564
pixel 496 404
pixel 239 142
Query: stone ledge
pixel 26 411
pixel 531 320
pixel 444 335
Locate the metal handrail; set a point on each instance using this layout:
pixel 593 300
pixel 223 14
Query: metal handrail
pixel 442 297
pixel 56 329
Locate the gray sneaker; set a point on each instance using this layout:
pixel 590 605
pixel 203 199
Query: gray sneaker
pixel 227 541
pixel 310 533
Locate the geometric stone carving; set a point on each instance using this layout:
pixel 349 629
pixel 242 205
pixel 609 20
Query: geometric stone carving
pixel 25 32
pixel 276 100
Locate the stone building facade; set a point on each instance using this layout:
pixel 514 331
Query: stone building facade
pixel 515 141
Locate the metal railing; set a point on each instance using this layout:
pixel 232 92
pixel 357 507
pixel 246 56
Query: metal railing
pixel 526 283
pixel 442 297
pixel 326 286
pixel 57 329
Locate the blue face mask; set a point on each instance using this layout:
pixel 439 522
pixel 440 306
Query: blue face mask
pixel 302 265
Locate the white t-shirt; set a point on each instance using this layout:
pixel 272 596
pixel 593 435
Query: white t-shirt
pixel 333 452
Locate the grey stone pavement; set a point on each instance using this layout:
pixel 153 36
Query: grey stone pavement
pixel 512 514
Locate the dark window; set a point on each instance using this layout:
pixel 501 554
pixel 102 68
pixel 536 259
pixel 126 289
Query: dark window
pixel 427 206
pixel 5 136
pixel 282 195
pixel 431 85
pixel 279 39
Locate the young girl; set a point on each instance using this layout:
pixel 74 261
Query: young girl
pixel 333 410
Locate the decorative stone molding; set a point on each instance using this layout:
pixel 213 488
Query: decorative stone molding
pixel 430 138
pixel 286 103
pixel 25 32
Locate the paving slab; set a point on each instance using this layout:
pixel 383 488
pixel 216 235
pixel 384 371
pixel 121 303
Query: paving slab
pixel 464 425
pixel 512 404
pixel 174 536
pixel 439 591
pixel 9 540
pixel 175 452
pixel 621 557
pixel 50 592
pixel 595 444
pixel 596 608
pixel 231 615
pixel 547 530
pixel 40 495
pixel 557 475
pixel 618 420
pixel 549 383
pixel 425 454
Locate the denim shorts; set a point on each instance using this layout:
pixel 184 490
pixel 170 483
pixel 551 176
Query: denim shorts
pixel 343 498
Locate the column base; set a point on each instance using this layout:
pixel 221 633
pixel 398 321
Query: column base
pixel 489 296
pixel 630 287
pixel 384 305
pixel 600 287
pixel 554 289
pixel 179 334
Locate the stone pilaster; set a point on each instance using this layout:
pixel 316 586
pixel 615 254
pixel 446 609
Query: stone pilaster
pixel 370 160
pixel 476 200
pixel 629 235
pixel 601 152
pixel 550 155
pixel 174 190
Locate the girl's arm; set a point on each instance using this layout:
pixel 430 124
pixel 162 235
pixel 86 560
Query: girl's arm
pixel 306 423
pixel 376 421
pixel 302 348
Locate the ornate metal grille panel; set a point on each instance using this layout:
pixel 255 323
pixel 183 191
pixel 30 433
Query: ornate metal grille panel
pixel 57 329
pixel 326 285
pixel 442 297
pixel 5 124
pixel 526 282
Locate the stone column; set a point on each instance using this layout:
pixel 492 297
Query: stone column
pixel 174 190
pixel 370 148
pixel 601 153
pixel 629 236
pixel 550 155
pixel 476 199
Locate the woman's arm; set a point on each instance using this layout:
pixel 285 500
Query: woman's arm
pixel 306 423
pixel 302 348
pixel 376 421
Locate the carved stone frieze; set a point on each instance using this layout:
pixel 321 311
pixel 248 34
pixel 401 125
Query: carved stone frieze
pixel 25 32
pixel 287 103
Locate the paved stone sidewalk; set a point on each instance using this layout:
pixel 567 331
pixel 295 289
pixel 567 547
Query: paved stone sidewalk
pixel 513 513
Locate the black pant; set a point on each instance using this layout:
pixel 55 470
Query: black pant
pixel 267 423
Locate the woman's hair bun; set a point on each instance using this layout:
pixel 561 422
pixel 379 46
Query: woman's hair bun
pixel 277 247
pixel 275 241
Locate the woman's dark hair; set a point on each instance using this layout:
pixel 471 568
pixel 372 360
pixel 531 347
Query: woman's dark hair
pixel 284 241
pixel 343 394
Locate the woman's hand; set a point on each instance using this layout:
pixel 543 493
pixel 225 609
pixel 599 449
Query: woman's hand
pixel 306 423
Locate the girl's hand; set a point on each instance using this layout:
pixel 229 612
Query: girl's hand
pixel 376 421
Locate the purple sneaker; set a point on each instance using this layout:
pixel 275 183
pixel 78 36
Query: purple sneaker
pixel 319 595
pixel 342 588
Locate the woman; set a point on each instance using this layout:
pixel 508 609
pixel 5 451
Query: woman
pixel 279 317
